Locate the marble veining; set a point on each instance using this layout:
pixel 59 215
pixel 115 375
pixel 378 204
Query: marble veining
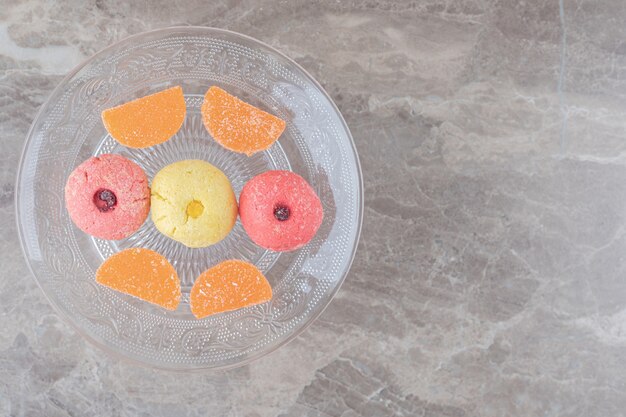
pixel 490 277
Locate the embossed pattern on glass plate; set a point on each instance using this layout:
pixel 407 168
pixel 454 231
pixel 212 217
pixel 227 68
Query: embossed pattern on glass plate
pixel 316 145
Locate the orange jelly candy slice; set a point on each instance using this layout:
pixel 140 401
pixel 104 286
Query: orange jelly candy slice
pixel 142 273
pixel 147 121
pixel 227 286
pixel 239 126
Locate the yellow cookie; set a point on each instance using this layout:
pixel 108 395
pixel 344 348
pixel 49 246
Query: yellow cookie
pixel 193 203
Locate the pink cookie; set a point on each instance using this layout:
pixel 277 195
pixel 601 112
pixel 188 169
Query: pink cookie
pixel 108 197
pixel 280 211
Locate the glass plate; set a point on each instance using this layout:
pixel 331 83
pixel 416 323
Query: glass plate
pixel 316 144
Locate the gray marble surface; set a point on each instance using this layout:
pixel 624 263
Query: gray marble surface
pixel 491 274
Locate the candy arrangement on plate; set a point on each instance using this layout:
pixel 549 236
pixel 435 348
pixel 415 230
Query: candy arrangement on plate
pixel 191 202
pixel 150 108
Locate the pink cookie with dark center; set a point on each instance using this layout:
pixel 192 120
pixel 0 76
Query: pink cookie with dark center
pixel 108 196
pixel 280 211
